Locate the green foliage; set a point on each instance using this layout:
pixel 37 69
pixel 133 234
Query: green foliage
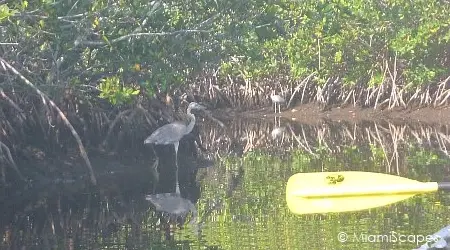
pixel 115 92
pixel 6 12
pixel 423 163
pixel 425 158
pixel 350 39
pixel 376 79
pixel 173 41
pixel 378 154
pixel 422 74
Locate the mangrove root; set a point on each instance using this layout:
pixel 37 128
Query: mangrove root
pixel 46 99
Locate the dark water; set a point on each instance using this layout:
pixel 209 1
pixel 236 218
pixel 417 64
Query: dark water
pixel 233 195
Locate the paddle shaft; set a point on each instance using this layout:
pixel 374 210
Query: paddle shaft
pixel 444 186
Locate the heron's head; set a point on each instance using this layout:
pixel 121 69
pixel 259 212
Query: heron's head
pixel 196 106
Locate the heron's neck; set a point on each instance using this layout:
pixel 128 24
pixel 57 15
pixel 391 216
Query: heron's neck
pixel 191 124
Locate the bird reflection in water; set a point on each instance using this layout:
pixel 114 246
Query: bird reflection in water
pixel 174 205
pixel 277 133
pixel 278 130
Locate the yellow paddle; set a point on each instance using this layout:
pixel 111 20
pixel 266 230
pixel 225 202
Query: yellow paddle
pixel 332 192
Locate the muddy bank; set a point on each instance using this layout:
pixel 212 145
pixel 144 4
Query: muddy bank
pixel 313 114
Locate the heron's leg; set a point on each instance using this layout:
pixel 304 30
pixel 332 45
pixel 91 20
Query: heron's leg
pixel 154 168
pixel 177 187
pixel 154 152
pixel 155 174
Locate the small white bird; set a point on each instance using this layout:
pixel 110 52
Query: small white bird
pixel 277 132
pixel 277 100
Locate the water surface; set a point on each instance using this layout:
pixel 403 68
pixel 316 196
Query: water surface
pixel 238 193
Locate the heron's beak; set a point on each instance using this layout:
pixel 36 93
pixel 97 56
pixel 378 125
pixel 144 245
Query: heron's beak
pixel 201 107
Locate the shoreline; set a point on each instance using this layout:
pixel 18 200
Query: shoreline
pixel 313 114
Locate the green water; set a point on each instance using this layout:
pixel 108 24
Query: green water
pixel 264 221
pixel 241 199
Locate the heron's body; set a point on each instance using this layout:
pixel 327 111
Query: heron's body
pixel 169 133
pixel 277 100
pixel 172 133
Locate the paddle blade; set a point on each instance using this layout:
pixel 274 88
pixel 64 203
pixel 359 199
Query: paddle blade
pixel 331 192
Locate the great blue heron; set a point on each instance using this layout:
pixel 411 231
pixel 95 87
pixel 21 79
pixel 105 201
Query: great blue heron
pixel 277 100
pixel 172 133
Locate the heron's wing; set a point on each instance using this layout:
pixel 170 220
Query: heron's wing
pixel 167 134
